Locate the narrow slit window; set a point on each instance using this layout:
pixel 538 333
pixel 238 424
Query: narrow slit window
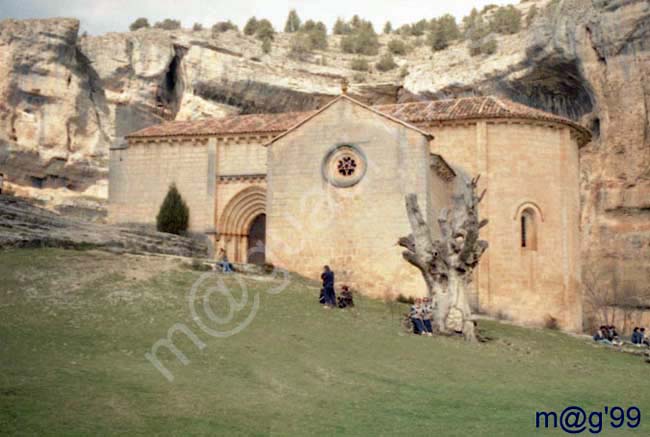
pixel 528 231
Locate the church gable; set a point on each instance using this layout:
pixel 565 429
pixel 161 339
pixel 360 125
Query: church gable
pixel 344 99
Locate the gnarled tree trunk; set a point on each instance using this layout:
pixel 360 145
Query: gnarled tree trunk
pixel 447 263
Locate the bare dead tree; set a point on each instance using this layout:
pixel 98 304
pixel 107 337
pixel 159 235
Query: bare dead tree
pixel 447 263
pixel 611 301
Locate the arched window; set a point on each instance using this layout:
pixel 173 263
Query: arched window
pixel 528 223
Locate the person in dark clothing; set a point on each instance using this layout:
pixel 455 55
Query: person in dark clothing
pixel 644 340
pixel 601 336
pixel 613 336
pixel 637 338
pixel 345 299
pixel 328 286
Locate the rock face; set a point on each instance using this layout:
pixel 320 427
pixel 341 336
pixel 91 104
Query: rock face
pixel 23 224
pixel 64 99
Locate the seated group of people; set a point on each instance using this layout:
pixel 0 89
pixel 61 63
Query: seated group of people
pixel 607 334
pixel 639 338
pixel 328 296
pixel 421 315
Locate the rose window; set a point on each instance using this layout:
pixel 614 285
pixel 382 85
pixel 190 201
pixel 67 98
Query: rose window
pixel 346 166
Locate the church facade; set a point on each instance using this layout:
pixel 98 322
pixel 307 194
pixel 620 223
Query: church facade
pixel 301 190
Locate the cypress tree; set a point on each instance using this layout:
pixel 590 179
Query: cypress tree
pixel 174 215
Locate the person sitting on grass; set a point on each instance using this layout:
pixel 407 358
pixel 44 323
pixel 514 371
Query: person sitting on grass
pixel 225 265
pixel 613 336
pixel 416 317
pixel 427 316
pixel 637 337
pixel 601 336
pixel 644 339
pixel 345 299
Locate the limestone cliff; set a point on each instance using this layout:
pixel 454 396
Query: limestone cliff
pixel 64 99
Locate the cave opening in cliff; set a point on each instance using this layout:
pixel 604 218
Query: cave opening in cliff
pixel 172 87
pixel 553 85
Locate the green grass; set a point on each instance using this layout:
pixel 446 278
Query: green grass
pixel 75 325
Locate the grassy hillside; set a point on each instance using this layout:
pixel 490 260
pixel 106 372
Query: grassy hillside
pixel 75 327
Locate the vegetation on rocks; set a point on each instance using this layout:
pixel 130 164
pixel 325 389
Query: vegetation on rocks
pixel 140 23
pixel 386 62
pixel 251 26
pixel 361 39
pixel 442 31
pixel 224 26
pixel 397 46
pixel 293 22
pixel 359 64
pixel 264 30
pixel 506 20
pixel 168 24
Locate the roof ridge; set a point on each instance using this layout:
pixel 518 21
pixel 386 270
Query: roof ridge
pixel 498 102
pixel 356 102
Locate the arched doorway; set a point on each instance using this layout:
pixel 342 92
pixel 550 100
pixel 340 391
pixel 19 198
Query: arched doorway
pixel 238 220
pixel 257 240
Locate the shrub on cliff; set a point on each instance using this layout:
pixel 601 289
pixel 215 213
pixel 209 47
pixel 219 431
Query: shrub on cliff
pixel 251 26
pixel 359 64
pixel 363 40
pixel 506 20
pixel 341 27
pixel 293 22
pixel 386 63
pixel 223 26
pixel 442 31
pixel 264 30
pixel 317 34
pixel 140 23
pixel 174 215
pixel 168 24
pixel 397 46
pixel 300 46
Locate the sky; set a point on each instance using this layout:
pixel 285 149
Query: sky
pixel 101 16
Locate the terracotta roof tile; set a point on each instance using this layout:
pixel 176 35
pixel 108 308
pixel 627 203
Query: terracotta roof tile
pixel 236 124
pixel 467 108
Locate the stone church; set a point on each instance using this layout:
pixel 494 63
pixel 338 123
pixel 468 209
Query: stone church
pixel 301 190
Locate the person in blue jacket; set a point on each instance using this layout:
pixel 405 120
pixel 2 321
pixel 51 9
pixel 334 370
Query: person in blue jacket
pixel 328 287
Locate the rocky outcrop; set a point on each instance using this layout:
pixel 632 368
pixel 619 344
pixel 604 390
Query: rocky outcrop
pixel 23 224
pixel 65 99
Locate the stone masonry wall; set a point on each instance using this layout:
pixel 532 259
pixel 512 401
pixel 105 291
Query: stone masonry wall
pixel 141 174
pixel 355 230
